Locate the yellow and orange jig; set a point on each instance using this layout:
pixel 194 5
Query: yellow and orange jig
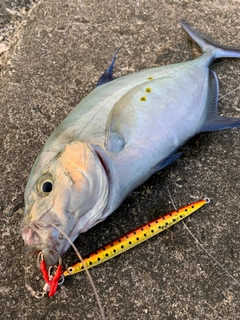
pixel 135 237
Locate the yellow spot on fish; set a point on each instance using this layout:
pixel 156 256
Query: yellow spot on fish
pixel 150 78
pixel 143 98
pixel 148 90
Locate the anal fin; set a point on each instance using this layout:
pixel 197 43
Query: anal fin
pixel 220 123
pixel 214 120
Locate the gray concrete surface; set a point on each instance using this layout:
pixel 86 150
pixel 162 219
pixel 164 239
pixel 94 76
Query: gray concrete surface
pixel 12 13
pixel 55 59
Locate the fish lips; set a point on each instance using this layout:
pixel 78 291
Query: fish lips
pixel 39 235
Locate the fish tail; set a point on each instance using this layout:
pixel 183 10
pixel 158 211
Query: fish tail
pixel 207 44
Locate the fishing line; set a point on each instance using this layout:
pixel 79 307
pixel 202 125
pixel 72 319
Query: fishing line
pixel 210 255
pixel 221 97
pixel 171 199
pixel 87 271
pixel 39 295
pixel 200 244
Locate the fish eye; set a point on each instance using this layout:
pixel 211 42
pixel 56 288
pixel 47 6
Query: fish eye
pixel 45 185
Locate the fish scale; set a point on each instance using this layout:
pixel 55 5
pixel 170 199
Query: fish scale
pixel 135 237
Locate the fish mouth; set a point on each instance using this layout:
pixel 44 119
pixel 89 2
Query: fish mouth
pixel 39 235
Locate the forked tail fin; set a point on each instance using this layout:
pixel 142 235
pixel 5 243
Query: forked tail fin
pixel 208 44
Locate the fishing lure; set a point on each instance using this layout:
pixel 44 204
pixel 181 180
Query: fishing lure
pixel 135 237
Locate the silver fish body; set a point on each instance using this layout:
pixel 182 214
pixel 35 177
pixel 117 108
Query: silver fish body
pixel 115 139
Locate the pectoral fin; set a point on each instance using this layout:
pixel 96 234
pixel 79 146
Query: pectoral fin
pixel 120 125
pixel 168 160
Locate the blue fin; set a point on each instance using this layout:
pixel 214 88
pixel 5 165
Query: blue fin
pixel 168 160
pixel 214 120
pixel 107 76
pixel 207 44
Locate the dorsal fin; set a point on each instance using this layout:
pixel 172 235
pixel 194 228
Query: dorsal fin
pixel 107 76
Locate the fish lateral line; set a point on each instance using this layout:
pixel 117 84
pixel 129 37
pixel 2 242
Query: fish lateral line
pixel 135 237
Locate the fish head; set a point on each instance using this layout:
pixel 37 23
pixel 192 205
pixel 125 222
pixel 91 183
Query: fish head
pixel 67 191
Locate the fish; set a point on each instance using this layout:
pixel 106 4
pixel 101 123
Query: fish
pixel 135 237
pixel 118 136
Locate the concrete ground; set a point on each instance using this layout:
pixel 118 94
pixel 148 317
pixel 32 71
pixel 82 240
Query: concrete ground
pixel 55 58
